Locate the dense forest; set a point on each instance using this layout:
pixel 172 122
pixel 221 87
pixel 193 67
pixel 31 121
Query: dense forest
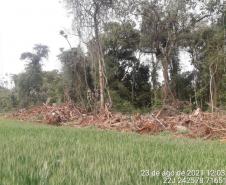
pixel 129 58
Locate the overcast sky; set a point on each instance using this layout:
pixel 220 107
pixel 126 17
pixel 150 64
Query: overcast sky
pixel 24 23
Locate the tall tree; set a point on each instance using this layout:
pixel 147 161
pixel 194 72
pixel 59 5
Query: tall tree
pixel 128 76
pixel 30 83
pixel 76 76
pixel 164 26
pixel 210 65
pixel 89 18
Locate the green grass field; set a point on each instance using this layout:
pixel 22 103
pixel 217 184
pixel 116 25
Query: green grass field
pixel 32 154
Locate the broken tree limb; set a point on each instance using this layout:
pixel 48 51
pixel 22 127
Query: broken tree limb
pixel 158 121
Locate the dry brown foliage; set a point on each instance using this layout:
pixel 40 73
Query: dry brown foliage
pixel 196 125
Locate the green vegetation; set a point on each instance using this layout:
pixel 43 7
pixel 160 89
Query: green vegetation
pixel 37 154
pixel 119 65
pixel 124 46
pixel 7 100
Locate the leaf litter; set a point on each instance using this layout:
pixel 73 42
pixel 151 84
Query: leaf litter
pixel 195 125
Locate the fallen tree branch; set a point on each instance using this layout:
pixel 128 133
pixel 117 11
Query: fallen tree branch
pixel 156 119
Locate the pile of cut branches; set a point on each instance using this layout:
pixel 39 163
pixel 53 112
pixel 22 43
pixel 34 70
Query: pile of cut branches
pixel 199 124
pixel 124 123
pixel 196 125
pixel 55 114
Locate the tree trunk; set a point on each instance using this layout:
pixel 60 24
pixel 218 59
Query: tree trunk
pixel 168 96
pixel 100 58
pixel 214 92
pixel 213 88
pixel 101 82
